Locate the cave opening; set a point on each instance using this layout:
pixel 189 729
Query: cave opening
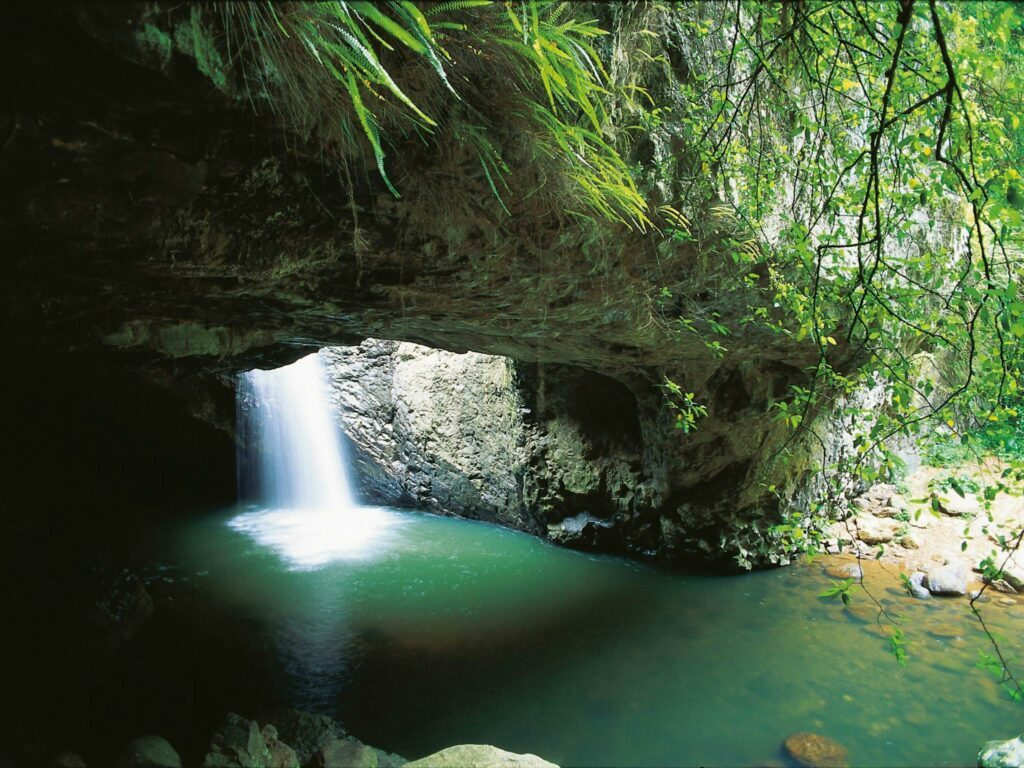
pixel 334 595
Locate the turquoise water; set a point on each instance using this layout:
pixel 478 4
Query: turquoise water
pixel 440 631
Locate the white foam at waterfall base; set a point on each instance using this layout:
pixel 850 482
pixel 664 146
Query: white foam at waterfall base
pixel 312 538
pixel 293 470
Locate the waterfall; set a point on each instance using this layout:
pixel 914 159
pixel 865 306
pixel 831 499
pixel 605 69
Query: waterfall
pixel 290 455
pixel 292 472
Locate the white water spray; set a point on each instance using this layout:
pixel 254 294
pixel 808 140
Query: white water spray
pixel 292 468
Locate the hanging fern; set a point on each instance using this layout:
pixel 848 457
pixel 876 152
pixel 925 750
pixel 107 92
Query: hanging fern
pixel 322 66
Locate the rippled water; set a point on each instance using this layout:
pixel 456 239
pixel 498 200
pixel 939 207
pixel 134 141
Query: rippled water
pixel 445 631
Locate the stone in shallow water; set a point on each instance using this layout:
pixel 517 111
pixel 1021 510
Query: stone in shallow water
pixel 948 579
pixel 479 756
pixel 148 752
pixel 915 585
pixel 1001 585
pixel 1002 754
pixel 844 571
pixel 815 751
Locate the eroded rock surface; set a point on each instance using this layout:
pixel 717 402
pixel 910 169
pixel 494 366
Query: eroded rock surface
pixel 479 756
pixel 588 459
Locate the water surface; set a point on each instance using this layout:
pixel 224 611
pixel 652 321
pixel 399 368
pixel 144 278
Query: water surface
pixel 437 631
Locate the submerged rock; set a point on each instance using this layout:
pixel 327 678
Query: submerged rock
pixel 148 752
pixel 121 610
pixel 1002 754
pixel 815 751
pixel 950 579
pixel 844 571
pixel 479 756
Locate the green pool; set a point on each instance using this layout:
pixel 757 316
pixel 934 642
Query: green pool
pixel 436 631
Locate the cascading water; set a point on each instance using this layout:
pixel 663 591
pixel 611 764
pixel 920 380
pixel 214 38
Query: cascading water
pixel 292 473
pixel 290 453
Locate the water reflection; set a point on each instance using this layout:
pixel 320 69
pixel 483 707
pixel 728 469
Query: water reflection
pixel 308 539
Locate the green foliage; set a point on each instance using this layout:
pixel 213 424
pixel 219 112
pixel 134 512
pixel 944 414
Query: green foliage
pixel 996 666
pixel 898 645
pixel 841 588
pixel 335 69
pixel 687 410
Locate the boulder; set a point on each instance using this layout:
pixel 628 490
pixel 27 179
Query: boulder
pixel 240 743
pixel 959 506
pixel 908 542
pixel 1013 573
pixel 950 579
pixel 916 586
pixel 864 504
pixel 306 732
pixel 1001 585
pixel 148 752
pixel 872 530
pixel 349 753
pixel 1002 754
pixel 898 503
pixel 815 751
pixel 479 756
pixel 880 492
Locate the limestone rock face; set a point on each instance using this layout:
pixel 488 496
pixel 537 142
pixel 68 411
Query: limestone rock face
pixel 469 434
pixel 479 756
pixel 592 460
